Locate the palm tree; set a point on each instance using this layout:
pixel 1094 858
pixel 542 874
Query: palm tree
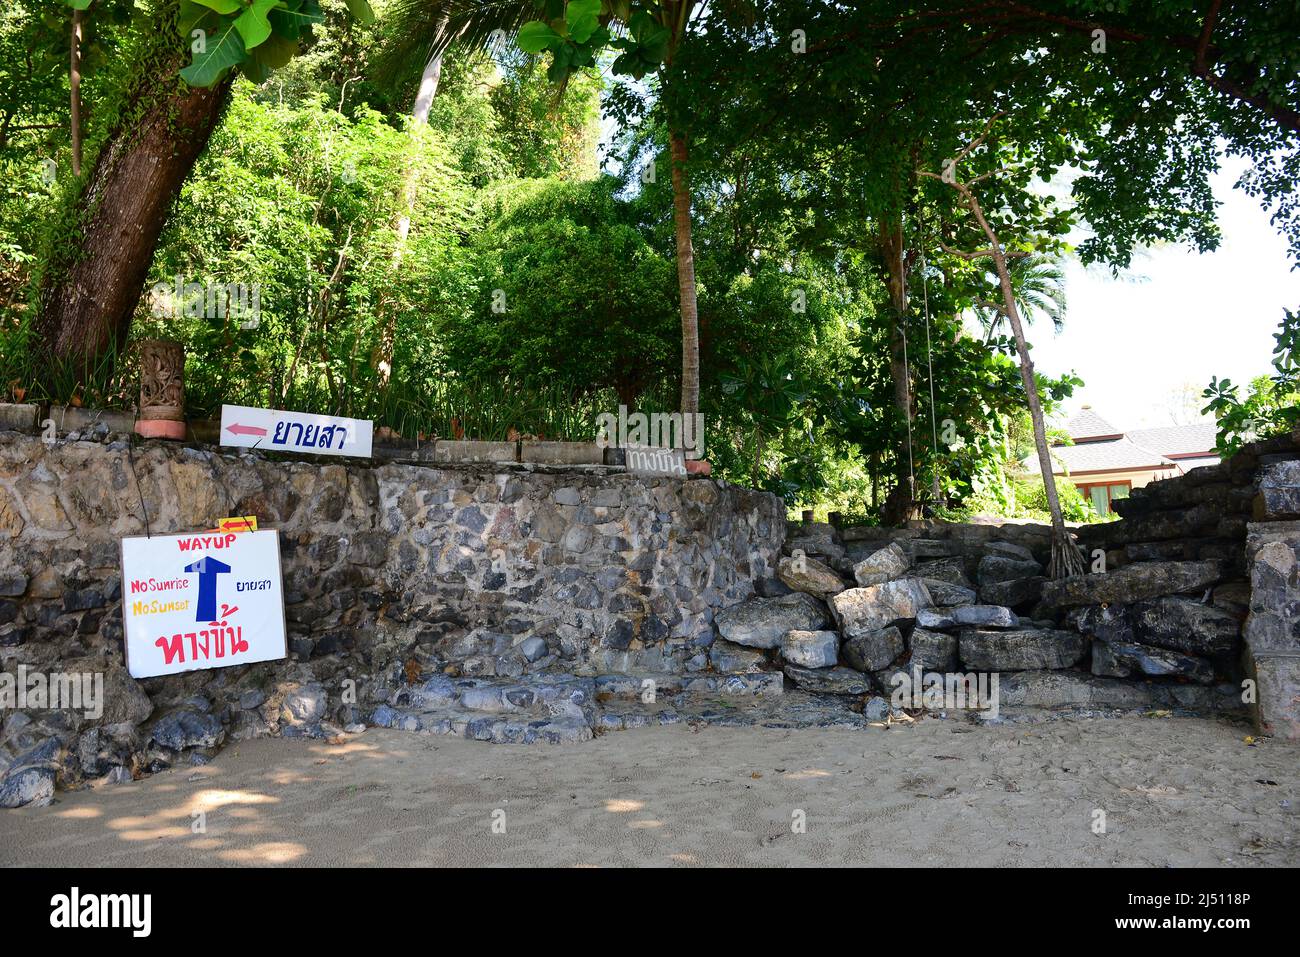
pixel 421 31
pixel 1038 288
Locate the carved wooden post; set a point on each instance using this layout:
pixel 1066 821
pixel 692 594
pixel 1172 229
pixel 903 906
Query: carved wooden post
pixel 162 390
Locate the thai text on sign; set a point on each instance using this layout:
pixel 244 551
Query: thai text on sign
pixel 205 600
pixel 282 431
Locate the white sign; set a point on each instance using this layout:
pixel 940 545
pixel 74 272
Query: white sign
pixel 652 460
pixel 295 431
pixel 207 600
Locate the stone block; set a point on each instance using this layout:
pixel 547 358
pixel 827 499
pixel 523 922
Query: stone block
pixel 465 451
pixel 561 453
pixel 19 418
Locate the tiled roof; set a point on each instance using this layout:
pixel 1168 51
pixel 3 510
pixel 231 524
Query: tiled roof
pixel 1114 455
pixel 1087 424
pixel 1177 439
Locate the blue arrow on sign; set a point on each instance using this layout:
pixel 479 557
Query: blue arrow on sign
pixel 208 568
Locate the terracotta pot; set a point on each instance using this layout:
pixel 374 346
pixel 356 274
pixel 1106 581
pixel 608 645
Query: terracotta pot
pixel 698 467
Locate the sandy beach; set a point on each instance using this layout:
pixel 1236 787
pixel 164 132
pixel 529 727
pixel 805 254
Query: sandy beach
pixel 1175 792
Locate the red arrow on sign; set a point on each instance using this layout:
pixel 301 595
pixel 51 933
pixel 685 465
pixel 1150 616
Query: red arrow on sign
pixel 237 429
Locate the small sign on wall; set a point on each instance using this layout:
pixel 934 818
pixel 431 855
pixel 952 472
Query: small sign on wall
pixel 282 431
pixel 207 600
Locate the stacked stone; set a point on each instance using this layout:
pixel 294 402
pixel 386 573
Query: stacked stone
pixel 845 627
pixel 1272 630
pixel 392 573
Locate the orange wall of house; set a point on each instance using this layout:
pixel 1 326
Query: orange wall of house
pixel 1135 479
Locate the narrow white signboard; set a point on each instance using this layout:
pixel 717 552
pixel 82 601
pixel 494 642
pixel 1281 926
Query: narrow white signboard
pixel 295 431
pixel 207 600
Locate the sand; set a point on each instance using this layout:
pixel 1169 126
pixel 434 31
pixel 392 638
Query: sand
pixel 1174 791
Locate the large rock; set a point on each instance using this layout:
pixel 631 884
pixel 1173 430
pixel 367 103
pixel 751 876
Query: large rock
pixel 304 706
pixel 188 729
pixel 809 575
pixel 23 786
pixel 1279 492
pixel 950 570
pixel 1278 687
pixel 1132 583
pixel 811 649
pixel 1105 664
pixel 1105 622
pixel 763 622
pixel 1010 550
pixel 946 593
pixel 1272 631
pixel 983 616
pixel 859 611
pixel 1182 624
pixel 727 657
pixel 933 650
pixel 1063 689
pixel 1131 657
pixel 1174 623
pixel 124 700
pixel 844 681
pixel 874 649
pixel 1003 568
pixel 1026 649
pixel 1017 593
pixel 816 538
pixel 881 566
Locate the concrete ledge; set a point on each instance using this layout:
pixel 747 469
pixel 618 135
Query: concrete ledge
pixel 18 418
pixel 561 453
pixel 207 431
pixel 445 450
pixel 69 418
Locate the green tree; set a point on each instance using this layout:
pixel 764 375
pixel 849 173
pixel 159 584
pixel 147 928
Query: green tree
pixel 99 249
pixel 651 35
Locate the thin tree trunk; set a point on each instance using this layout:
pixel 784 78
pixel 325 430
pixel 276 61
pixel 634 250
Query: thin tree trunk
pixel 91 286
pixel 74 82
pixel 424 95
pixel 428 89
pixel 685 277
pixel 1067 560
pixel 900 503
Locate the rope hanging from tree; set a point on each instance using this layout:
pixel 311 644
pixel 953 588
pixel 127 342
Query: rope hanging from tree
pixel 907 378
pixel 929 358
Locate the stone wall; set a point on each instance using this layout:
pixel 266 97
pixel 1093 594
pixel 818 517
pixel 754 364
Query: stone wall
pixel 391 571
pixel 947 598
pixel 510 602
pixel 1194 590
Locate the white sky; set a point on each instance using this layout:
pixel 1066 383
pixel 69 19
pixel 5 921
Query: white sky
pixel 1175 318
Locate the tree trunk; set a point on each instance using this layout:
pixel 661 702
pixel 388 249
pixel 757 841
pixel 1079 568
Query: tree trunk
pixel 685 277
pixel 900 504
pixel 428 89
pixel 74 83
pixel 424 95
pixel 92 283
pixel 1067 560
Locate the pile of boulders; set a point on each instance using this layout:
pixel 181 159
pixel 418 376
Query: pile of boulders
pixel 848 610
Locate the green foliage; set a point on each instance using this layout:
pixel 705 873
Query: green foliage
pixel 257 36
pixel 569 290
pixel 1272 403
pixel 799 163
